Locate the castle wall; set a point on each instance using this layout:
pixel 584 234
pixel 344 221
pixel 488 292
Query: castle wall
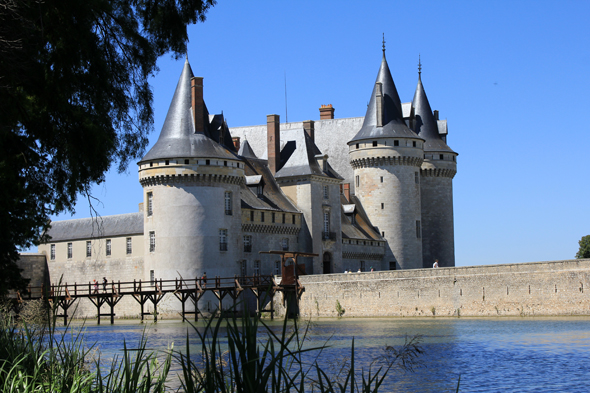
pixel 522 289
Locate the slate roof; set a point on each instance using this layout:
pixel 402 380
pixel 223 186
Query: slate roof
pixel 97 227
pixel 272 197
pixel 298 157
pixel 246 150
pixel 178 137
pixel 393 119
pixel 425 125
pixel 360 227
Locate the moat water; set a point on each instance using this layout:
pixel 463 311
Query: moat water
pixel 489 355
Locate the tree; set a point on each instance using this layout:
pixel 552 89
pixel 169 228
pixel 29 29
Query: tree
pixel 74 100
pixel 584 251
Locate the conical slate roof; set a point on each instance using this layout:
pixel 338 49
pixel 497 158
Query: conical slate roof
pixel 393 120
pixel 178 137
pixel 246 150
pixel 425 124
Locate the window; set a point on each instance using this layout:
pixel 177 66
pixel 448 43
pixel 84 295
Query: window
pixel 152 241
pixel 374 143
pixel 362 266
pixel 383 234
pixel 392 265
pixel 293 219
pixel 283 218
pixel 167 162
pixel 224 163
pixel 326 194
pixel 150 203
pixel 251 215
pixel 247 243
pixel 152 277
pixel 228 209
pixel 108 248
pixel 256 268
pixel 244 268
pixel 358 181
pixel 207 162
pixel 261 216
pixel 285 244
pixel 129 248
pixel 382 206
pixel 277 268
pixel 223 240
pixel 381 179
pixel 326 224
pixel 441 156
pixel 357 145
pixel 414 144
pixel 418 231
pixel 272 215
pixel 395 143
pixel 88 249
pixel 185 162
pixel 416 178
pixel 52 252
pixel 151 164
pixel 70 251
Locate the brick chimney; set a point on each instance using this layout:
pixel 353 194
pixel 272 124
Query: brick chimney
pixel 326 112
pixel 236 141
pixel 197 104
pixel 273 142
pixel 346 191
pixel 308 126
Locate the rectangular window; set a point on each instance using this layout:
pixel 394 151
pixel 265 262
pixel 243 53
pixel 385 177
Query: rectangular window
pixel 358 181
pixel 362 266
pixel 251 215
pixel 70 253
pixel 152 277
pixel 326 224
pixel 381 179
pixel 228 209
pixel 392 265
pixel 129 248
pixel 418 230
pixel 395 143
pixel 283 218
pixel 223 240
pixel 277 268
pixel 244 268
pixel 285 244
pixel 441 156
pixel 185 162
pixel 52 252
pixel 382 206
pixel 414 144
pixel 152 241
pixel 416 178
pixel 207 162
pixel 374 143
pixel 293 219
pixel 272 217
pixel 247 243
pixel 357 145
pixel 167 162
pixel 256 268
pixel 88 249
pixel 326 195
pixel 108 248
pixel 261 216
pixel 150 203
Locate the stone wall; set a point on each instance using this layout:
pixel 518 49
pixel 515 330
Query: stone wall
pixel 523 289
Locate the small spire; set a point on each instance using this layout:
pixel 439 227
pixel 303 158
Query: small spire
pixel 383 44
pixel 419 67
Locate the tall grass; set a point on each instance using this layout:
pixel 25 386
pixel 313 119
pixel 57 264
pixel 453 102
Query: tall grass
pixel 236 354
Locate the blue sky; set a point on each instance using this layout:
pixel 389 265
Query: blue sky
pixel 511 78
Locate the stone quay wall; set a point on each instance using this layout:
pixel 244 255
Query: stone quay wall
pixel 520 289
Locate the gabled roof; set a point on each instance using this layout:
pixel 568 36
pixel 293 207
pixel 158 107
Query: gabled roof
pixel 298 157
pixel 425 125
pixel 393 119
pixel 246 150
pixel 97 227
pixel 178 137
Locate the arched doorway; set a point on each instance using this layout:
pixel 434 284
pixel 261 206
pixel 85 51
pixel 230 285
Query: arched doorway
pixel 327 264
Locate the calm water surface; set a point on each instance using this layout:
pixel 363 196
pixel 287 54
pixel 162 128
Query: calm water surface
pixel 490 355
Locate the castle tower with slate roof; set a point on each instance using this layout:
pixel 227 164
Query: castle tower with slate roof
pixel 191 182
pixel 436 184
pixel 386 157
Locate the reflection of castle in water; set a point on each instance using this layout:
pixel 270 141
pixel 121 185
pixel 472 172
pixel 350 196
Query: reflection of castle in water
pixel 362 193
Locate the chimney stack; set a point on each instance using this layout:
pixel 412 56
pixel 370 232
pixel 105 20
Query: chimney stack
pixel 308 126
pixel 273 142
pixel 435 115
pixel 197 104
pixel 326 112
pixel 379 102
pixel 346 191
pixel 236 141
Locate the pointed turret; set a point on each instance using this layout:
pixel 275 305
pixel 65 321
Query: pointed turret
pixel 246 150
pixel 425 124
pixel 384 117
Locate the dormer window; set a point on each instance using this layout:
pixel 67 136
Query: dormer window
pixel 259 190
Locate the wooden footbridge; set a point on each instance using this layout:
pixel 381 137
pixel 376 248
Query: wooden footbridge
pixel 107 295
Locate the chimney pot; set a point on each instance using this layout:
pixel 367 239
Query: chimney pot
pixel 273 142
pixel 326 112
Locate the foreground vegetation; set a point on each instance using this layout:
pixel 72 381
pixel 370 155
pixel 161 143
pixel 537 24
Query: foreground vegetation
pixel 249 356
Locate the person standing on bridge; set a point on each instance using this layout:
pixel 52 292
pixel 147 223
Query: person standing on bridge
pixel 435 265
pixel 204 279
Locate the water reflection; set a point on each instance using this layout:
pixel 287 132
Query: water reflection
pixel 490 355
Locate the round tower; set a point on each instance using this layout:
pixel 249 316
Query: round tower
pixel 386 157
pixel 191 188
pixel 436 183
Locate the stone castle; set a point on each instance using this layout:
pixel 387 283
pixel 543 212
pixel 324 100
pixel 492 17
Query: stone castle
pixel 366 193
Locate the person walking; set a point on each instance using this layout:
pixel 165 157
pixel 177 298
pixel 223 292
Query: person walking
pixel 104 284
pixel 95 286
pixel 435 265
pixel 204 279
